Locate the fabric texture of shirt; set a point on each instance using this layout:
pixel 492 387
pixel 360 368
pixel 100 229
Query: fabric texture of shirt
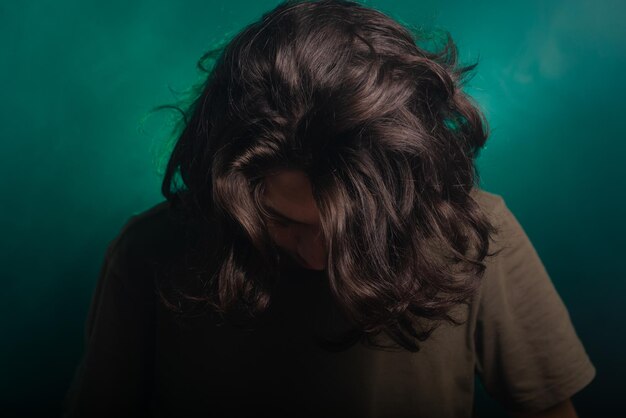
pixel 140 360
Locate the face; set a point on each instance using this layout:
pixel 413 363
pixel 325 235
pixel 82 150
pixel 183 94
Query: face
pixel 295 224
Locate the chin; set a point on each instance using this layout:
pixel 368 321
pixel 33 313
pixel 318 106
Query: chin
pixel 315 268
pixel 306 265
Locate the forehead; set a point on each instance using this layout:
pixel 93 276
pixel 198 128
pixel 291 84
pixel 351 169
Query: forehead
pixel 288 181
pixel 290 193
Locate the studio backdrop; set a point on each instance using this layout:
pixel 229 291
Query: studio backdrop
pixel 82 149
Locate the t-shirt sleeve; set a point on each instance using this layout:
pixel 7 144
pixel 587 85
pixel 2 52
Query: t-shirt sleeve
pixel 113 377
pixel 528 354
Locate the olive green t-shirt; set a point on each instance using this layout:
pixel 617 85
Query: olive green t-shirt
pixel 142 360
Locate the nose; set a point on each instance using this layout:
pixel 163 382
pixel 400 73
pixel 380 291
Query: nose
pixel 302 253
pixel 308 254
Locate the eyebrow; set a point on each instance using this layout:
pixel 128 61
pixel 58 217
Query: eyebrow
pixel 277 214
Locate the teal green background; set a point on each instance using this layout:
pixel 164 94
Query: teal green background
pixel 80 153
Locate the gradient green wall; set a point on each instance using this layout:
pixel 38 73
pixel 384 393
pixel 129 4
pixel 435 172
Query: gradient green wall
pixel 79 156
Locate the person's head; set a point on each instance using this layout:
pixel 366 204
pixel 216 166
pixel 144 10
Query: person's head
pixel 330 113
pixel 293 220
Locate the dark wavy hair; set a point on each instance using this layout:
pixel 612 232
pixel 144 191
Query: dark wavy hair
pixel 388 140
